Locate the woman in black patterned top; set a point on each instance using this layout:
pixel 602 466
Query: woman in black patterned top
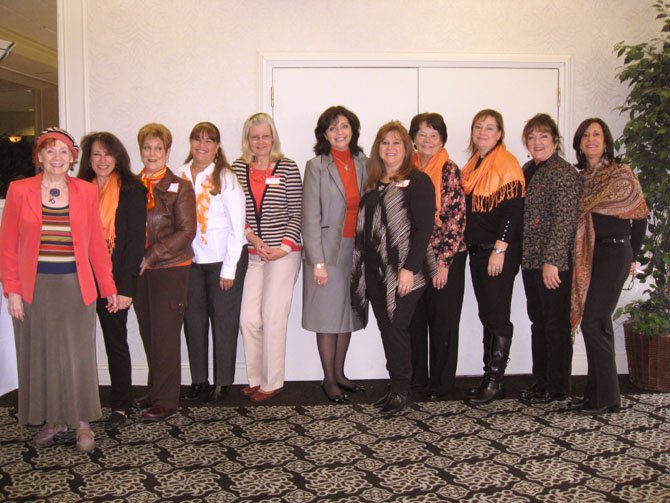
pixel 439 308
pixel 273 191
pixel 393 259
pixel 550 221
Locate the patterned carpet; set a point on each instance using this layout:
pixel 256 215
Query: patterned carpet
pixel 443 451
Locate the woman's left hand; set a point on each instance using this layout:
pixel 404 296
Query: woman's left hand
pixel 440 279
pixel 226 283
pixel 112 303
pixel 275 253
pixel 496 263
pixel 405 282
pixel 550 276
pixel 124 302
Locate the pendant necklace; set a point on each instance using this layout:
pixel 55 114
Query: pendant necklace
pixel 53 194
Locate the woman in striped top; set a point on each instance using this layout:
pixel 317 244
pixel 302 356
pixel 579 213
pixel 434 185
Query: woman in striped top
pixel 273 191
pixel 52 245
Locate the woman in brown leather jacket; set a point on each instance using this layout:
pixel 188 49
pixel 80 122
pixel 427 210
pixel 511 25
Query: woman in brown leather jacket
pixel 162 285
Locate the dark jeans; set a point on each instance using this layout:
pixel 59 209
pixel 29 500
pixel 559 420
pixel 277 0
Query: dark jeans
pixel 611 266
pixel 551 343
pixel 394 333
pixel 494 293
pixel 160 303
pixel 115 335
pixel 207 301
pixel 438 312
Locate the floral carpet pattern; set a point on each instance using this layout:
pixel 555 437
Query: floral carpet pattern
pixel 432 451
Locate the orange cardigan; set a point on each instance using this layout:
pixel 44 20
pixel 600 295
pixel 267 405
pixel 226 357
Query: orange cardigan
pixel 20 239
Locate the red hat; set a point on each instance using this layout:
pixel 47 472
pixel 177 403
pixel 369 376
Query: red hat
pixel 58 134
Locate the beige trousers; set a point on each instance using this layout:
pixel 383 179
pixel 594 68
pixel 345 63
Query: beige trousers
pixel 266 304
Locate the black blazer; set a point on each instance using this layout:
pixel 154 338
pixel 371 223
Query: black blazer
pixel 130 223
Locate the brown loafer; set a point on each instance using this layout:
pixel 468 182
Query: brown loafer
pixel 261 396
pixel 156 413
pixel 142 402
pixel 249 390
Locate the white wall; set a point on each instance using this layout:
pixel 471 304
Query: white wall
pixel 126 63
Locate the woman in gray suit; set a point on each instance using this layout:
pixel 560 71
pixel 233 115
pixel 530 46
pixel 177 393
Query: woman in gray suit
pixel 331 192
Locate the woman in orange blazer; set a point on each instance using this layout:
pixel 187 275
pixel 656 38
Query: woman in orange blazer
pixel 51 246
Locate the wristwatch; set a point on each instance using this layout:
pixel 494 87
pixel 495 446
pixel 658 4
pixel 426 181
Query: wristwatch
pixel 319 266
pixel 498 251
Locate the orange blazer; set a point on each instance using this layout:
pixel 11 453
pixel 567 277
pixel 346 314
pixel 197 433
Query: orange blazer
pixel 20 239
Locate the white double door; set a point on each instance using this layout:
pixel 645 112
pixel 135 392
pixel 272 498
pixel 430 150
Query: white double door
pixel 378 95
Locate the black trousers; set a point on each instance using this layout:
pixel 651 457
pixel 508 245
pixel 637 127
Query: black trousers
pixel 207 301
pixel 394 333
pixel 438 312
pixel 551 343
pixel 494 293
pixel 611 266
pixel 160 303
pixel 115 335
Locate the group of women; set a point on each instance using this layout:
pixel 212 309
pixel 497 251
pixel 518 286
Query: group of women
pixel 221 245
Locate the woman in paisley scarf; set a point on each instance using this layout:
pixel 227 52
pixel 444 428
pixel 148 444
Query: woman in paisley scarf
pixel 610 228
pixel 393 258
pixel 494 186
pixel 162 287
pixel 439 308
pixel 105 162
pixel 219 265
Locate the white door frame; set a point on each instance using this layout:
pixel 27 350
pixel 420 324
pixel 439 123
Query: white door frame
pixel 267 61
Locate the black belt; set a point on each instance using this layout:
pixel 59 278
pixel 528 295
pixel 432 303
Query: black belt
pixel 613 240
pixel 480 248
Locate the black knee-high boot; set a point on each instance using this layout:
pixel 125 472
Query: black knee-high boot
pixel 488 342
pixel 494 388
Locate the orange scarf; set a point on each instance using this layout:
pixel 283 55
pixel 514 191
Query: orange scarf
pixel 149 181
pixel 498 178
pixel 434 170
pixel 609 189
pixel 108 198
pixel 202 203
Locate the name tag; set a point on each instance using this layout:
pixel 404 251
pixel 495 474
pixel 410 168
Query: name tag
pixel 402 184
pixel 272 180
pixel 174 187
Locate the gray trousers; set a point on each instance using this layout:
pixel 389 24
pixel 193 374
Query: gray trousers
pixel 208 302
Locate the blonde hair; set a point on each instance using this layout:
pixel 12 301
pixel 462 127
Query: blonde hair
pixel 259 119
pixel 157 131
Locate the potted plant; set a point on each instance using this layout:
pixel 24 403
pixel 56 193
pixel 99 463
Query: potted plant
pixel 646 138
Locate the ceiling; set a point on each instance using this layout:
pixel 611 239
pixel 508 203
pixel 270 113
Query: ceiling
pixel 33 63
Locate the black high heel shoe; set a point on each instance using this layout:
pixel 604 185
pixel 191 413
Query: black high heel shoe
pixel 356 388
pixel 590 411
pixel 341 398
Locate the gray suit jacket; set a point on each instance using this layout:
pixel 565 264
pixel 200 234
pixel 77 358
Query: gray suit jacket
pixel 324 207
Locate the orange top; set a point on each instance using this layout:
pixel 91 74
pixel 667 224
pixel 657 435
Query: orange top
pixel 347 169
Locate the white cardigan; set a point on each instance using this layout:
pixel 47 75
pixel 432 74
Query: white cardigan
pixel 224 237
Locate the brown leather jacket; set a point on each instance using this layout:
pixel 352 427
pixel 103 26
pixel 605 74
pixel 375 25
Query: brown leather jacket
pixel 171 223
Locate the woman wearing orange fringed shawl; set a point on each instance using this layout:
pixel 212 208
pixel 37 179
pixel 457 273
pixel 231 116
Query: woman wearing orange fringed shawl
pixel 494 187
pixel 611 225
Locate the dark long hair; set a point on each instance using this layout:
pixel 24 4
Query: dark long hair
pixel 114 147
pixel 211 132
pixel 376 168
pixel 577 140
pixel 322 146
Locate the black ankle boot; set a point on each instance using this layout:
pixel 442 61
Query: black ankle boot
pixel 493 390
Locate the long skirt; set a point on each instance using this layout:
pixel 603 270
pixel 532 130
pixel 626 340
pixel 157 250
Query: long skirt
pixel 55 350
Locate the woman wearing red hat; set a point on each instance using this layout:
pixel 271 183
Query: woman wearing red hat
pixel 52 253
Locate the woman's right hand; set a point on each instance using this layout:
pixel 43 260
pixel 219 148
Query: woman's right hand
pixel 15 306
pixel 320 275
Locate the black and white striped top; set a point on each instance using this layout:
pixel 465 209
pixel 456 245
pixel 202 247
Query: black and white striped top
pixel 278 221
